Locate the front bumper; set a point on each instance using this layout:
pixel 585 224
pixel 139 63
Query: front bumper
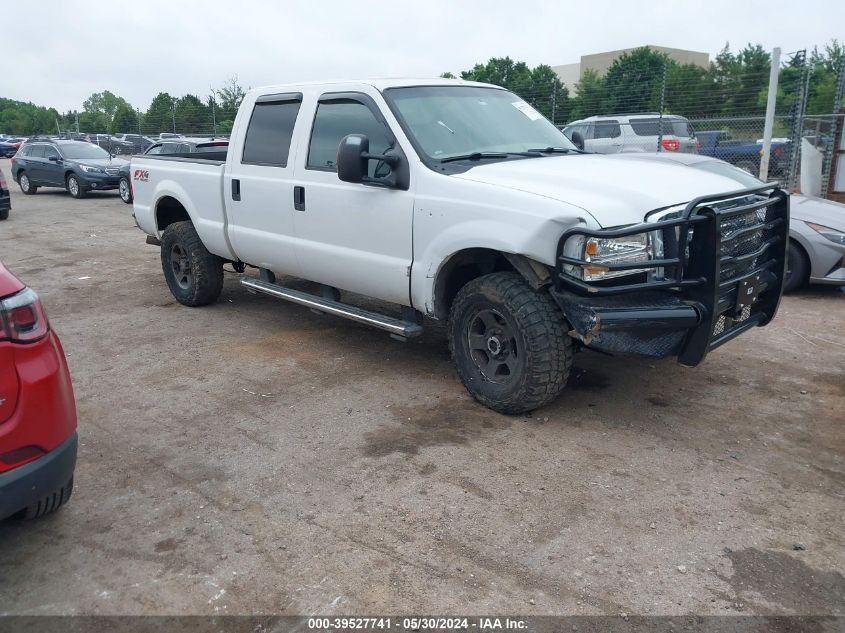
pixel 91 181
pixel 35 480
pixel 722 274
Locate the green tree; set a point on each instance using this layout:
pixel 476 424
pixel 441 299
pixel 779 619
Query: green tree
pixel 229 98
pixel 591 94
pixel 101 108
pixel 634 81
pixel 192 115
pixel 125 120
pixel 159 116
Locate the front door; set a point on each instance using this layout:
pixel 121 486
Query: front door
pixel 352 236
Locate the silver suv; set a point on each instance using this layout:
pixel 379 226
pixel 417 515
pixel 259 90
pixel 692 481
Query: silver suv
pixel 611 134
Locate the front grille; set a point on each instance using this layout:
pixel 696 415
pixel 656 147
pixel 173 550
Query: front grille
pixel 742 241
pixel 112 171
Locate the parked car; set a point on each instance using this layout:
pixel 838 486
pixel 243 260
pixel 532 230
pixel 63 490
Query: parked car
pixel 5 198
pixel 176 147
pixel 7 149
pixel 10 146
pixel 38 439
pixel 613 134
pixel 459 201
pixel 114 145
pixel 139 143
pixel 745 154
pixel 816 252
pixel 76 166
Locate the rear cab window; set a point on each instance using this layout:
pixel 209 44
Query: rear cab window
pixel 270 129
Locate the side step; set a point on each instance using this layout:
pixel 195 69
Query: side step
pixel 397 327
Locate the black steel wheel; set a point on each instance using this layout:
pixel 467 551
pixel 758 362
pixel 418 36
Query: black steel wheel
pixel 194 276
pixel 509 343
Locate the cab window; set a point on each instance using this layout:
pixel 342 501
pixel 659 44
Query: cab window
pixel 338 118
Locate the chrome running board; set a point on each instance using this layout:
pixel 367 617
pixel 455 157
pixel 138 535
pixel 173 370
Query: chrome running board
pixel 396 327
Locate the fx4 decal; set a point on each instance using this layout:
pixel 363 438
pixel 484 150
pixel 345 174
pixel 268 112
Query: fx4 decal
pixel 141 174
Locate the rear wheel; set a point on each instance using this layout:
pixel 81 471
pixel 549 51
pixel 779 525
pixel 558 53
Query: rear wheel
pixel 125 191
pixel 49 503
pixel 74 187
pixel 26 184
pixel 509 343
pixel 194 276
pixel 797 268
pixel 4 214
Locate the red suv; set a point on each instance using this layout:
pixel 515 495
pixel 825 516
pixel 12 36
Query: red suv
pixel 37 410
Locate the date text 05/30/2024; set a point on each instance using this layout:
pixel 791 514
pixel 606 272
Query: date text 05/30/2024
pixel 417 623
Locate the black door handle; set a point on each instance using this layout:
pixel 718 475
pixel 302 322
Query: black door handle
pixel 299 198
pixel 236 189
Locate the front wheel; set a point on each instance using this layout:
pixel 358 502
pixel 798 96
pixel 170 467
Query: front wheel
pixel 509 343
pixel 26 184
pixel 194 276
pixel 125 190
pixel 797 269
pixel 74 187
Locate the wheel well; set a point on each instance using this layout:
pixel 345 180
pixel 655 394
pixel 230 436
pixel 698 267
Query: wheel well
pixel 168 211
pixel 460 269
pixel 68 174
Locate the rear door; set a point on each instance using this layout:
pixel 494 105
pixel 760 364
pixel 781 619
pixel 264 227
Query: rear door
pixel 258 185
pixel 35 164
pixel 53 169
pixel 607 137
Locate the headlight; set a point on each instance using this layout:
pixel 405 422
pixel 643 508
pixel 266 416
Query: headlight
pixel 828 233
pixel 91 170
pixel 600 252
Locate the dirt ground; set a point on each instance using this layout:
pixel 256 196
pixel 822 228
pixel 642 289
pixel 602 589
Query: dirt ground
pixel 252 457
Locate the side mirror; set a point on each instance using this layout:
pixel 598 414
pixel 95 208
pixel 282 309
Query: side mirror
pixel 54 159
pixel 351 161
pixel 353 157
pixel 578 140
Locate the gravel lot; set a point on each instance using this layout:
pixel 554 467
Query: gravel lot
pixel 252 457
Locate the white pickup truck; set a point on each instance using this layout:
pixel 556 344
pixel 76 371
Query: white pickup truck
pixel 459 201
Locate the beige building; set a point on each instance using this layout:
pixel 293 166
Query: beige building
pixel 570 74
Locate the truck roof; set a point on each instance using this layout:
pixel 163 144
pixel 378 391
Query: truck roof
pixel 378 84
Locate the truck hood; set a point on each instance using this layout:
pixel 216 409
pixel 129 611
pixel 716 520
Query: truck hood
pixel 615 189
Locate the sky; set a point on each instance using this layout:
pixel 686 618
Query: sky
pixel 187 46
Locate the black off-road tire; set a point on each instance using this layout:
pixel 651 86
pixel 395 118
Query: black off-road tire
pixel 194 276
pixel 4 214
pixel 797 267
pixel 530 322
pixel 47 504
pixel 23 178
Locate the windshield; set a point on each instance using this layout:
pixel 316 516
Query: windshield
pixel 83 150
pixel 448 121
pixel 729 171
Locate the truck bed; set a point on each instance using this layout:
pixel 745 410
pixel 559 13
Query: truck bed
pixel 194 180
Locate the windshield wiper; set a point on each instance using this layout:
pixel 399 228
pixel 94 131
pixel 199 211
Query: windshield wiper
pixel 552 150
pixel 474 156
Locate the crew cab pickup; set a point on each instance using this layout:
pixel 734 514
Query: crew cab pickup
pixel 460 202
